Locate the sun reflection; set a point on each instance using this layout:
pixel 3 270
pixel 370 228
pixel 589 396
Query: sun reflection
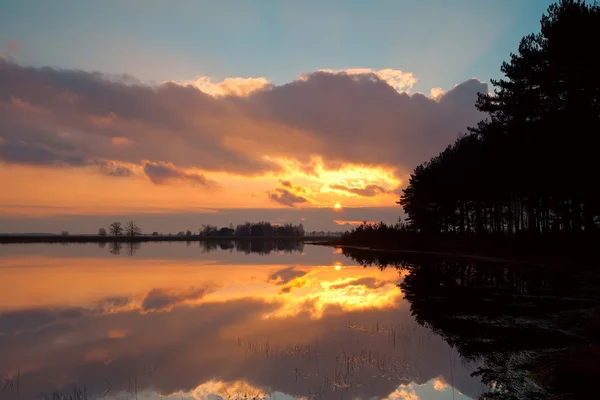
pixel 337 206
pixel 337 267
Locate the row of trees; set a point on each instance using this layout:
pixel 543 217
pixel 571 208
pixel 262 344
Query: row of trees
pixel 257 229
pixel 530 166
pixel 117 229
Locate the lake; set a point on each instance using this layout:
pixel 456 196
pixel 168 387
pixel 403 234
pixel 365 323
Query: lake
pixel 266 320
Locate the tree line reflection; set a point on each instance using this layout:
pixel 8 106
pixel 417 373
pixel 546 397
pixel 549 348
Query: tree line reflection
pixel 258 246
pixel 507 316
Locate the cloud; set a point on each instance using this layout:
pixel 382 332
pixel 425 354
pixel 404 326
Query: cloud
pixel 440 384
pixel 397 79
pixel 367 191
pixel 290 194
pixel 58 117
pixel 35 154
pixel 291 186
pixel 162 173
pixel 229 86
pixel 112 168
pixel 297 283
pixel 114 303
pixel 436 93
pixel 403 394
pixel 229 331
pixel 162 299
pixel 368 282
pixel 285 275
pixel 287 198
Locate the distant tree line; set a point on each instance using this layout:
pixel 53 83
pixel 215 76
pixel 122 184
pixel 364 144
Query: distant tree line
pixel 130 229
pixel 256 229
pixel 248 229
pixel 531 165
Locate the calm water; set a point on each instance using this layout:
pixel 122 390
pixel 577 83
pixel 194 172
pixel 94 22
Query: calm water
pixel 202 320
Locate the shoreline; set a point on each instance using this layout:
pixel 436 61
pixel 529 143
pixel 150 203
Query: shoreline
pixel 467 256
pixel 24 239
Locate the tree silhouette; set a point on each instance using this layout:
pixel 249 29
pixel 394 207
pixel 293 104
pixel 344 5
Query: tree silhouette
pixel 498 315
pixel 115 229
pixel 101 232
pixel 131 229
pixel 530 166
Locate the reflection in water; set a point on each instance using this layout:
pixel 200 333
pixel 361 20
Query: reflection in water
pixel 257 246
pixel 502 315
pixel 253 246
pixel 227 326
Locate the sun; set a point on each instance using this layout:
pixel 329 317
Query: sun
pixel 337 206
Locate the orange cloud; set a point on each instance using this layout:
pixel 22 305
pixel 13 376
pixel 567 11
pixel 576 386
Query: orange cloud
pixel 162 173
pixel 328 134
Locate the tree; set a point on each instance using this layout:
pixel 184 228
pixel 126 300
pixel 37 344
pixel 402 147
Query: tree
pixel 115 229
pixel 188 233
pixel 65 233
pixel 528 166
pixel 209 230
pixel 101 232
pixel 131 229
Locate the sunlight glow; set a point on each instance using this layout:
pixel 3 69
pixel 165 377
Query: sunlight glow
pixel 337 206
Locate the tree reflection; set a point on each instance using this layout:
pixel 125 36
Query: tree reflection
pixel 504 315
pixel 258 246
pixel 115 248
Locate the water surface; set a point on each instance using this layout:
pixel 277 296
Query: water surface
pixel 222 319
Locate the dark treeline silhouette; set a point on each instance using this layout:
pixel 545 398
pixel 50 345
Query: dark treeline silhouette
pixel 267 229
pixel 519 323
pixel 531 165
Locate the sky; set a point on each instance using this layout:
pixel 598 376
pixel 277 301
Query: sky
pixel 190 112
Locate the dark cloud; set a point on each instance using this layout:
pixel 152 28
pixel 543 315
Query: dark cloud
pixel 367 191
pixel 36 154
pixel 364 120
pixel 113 303
pixel 55 117
pixel 368 282
pixel 285 275
pixel 31 320
pixel 287 198
pixel 112 168
pixel 162 299
pixel 162 173
pixel 295 188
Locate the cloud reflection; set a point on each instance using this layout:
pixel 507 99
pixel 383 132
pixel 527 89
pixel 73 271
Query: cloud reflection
pixel 225 329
